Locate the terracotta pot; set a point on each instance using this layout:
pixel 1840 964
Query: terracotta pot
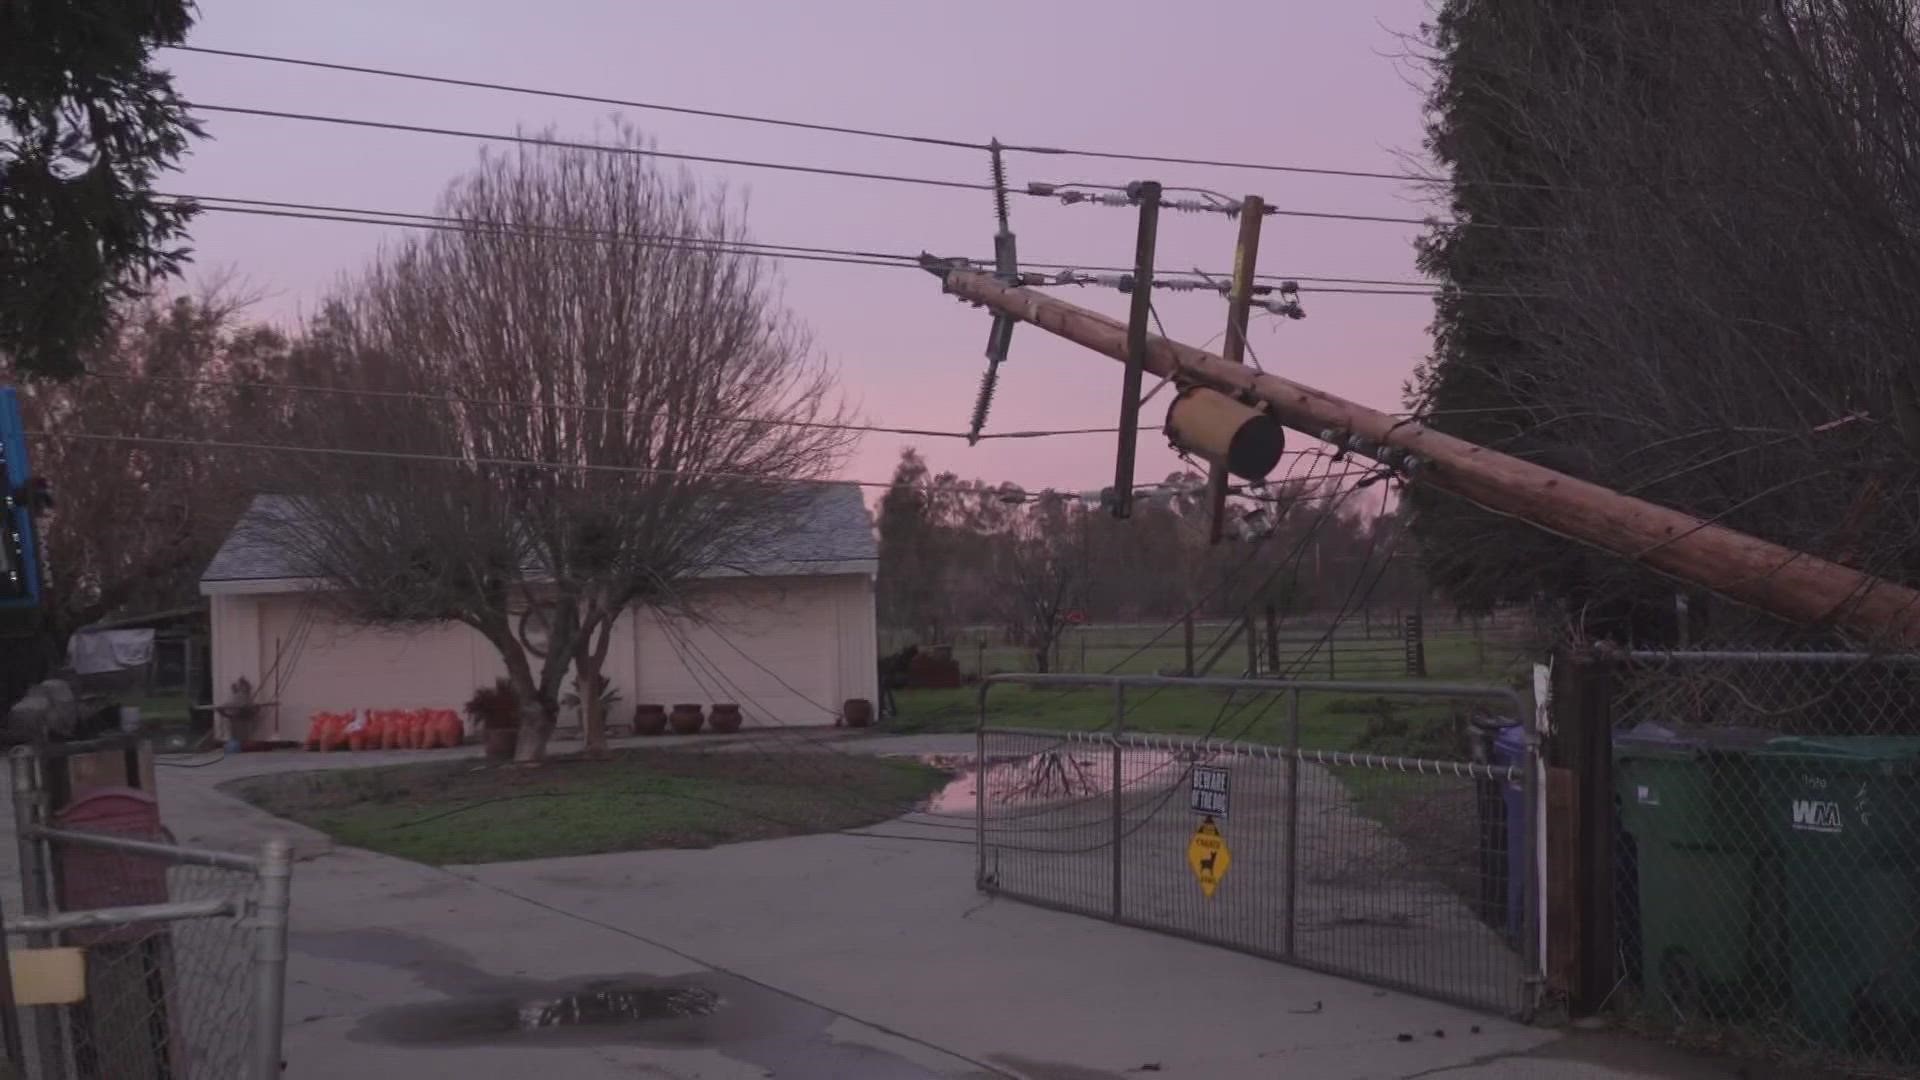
pixel 858 712
pixel 725 719
pixel 500 743
pixel 686 719
pixel 649 719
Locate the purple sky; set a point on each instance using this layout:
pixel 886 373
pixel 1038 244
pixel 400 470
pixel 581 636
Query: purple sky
pixel 1293 82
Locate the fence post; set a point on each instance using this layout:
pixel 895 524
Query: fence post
pixel 1186 627
pixel 1293 820
pixel 1332 633
pixel 270 957
pixel 1253 644
pixel 1273 640
pixel 980 791
pixel 1580 756
pixel 1119 725
pixel 36 892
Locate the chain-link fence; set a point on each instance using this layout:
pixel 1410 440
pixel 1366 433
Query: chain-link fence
pixel 1408 872
pixel 1767 860
pixel 182 952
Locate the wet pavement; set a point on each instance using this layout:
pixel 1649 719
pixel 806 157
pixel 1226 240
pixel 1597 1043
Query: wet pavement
pixel 476 1009
pixel 865 957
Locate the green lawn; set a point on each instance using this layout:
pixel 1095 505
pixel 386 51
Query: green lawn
pixel 1328 720
pixel 468 812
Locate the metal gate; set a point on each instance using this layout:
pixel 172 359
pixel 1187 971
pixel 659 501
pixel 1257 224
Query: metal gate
pixel 1408 872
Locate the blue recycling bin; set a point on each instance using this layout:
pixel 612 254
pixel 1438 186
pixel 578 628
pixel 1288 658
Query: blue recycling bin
pixel 1510 749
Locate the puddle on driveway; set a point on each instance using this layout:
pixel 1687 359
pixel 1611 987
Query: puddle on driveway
pixel 1049 776
pixel 652 1011
pixel 741 1020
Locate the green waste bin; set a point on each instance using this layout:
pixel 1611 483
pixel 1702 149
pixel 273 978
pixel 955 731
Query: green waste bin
pixel 1687 798
pixel 1845 813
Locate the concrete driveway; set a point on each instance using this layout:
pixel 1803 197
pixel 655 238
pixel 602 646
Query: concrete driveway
pixel 825 956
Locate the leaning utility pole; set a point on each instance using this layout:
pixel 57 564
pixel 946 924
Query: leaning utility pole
pixel 1790 584
pixel 1233 347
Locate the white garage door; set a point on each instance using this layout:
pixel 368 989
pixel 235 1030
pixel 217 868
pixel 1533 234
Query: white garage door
pixel 774 652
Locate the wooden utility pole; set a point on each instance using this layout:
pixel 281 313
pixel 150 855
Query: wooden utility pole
pixel 1246 257
pixel 1790 584
pixel 1147 194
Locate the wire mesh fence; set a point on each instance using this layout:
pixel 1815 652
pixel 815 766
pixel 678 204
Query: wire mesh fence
pixel 181 952
pixel 169 994
pixel 1406 872
pixel 1767 860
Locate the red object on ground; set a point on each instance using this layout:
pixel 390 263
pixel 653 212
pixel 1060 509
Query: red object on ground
pixel 89 877
pixel 447 725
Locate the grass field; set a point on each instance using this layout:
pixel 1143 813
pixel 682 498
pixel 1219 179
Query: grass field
pixel 1328 720
pixel 1147 649
pixel 469 812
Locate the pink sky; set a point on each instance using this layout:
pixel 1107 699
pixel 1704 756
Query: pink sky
pixel 1291 82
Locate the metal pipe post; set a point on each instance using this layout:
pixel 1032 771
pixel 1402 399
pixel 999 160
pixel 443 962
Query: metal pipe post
pixel 1290 913
pixel 1532 892
pixel 270 957
pixel 27 814
pixel 980 790
pixel 1119 726
pixel 36 892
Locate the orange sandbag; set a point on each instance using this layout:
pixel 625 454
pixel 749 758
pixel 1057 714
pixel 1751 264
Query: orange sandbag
pixel 447 726
pixel 333 733
pixel 315 724
pixel 416 730
pixel 376 729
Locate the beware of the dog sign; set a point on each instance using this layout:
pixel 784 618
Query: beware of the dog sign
pixel 1208 792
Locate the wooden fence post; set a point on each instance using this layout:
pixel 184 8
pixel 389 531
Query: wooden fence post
pixel 1580 831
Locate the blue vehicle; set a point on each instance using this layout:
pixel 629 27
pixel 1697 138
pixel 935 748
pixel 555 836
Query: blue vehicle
pixel 20 495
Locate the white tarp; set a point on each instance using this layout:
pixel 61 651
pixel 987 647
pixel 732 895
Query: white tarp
pixel 102 652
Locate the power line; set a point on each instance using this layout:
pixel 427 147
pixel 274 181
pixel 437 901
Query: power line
pixel 409 395
pixel 502 229
pixel 653 106
pixel 871 133
pixel 358 215
pixel 566 232
pixel 603 148
pixel 1006 493
pixel 818 170
pixel 792 252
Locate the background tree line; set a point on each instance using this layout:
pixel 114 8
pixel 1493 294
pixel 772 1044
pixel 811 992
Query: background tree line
pixel 1682 265
pixel 963 554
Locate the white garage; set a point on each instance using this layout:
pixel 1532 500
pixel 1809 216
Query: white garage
pixel 788 637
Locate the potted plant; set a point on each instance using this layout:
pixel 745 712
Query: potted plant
pixel 724 719
pixel 686 719
pixel 496 710
pixel 857 712
pixel 649 719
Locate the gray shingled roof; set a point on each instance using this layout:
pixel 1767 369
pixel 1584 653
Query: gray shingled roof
pixel 835 529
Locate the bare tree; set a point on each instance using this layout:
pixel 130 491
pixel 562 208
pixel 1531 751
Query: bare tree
pixel 586 314
pixel 134 523
pixel 1043 566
